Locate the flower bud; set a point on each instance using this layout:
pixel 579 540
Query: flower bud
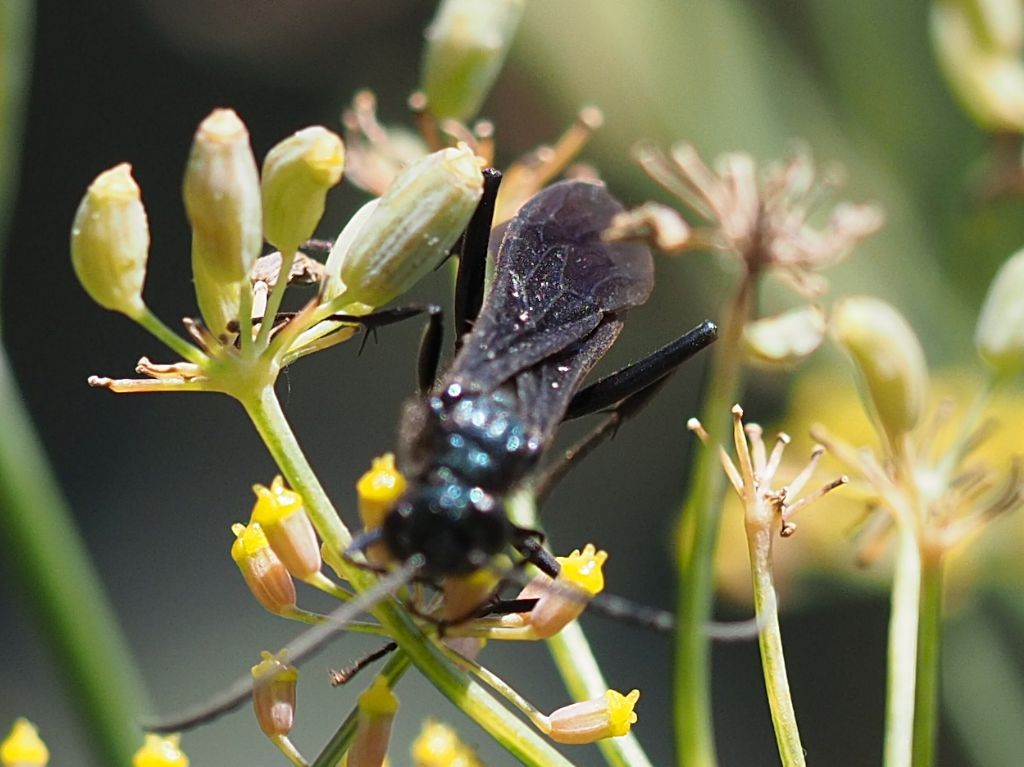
pixel 110 242
pixel 437 745
pixel 297 173
pixel 978 44
pixel 23 747
pixel 222 200
pixel 273 693
pixel 333 286
pixel 999 336
pixel 377 708
pixel 890 360
pixel 610 716
pixel 466 46
pixel 264 573
pixel 787 338
pixel 281 514
pixel 378 490
pixel 417 220
pixel 160 751
pixel 562 601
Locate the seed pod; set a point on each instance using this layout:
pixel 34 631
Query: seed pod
pixel 414 224
pixel 160 751
pixel 890 360
pixel 1000 333
pixel 466 46
pixel 222 200
pixel 110 242
pixel 297 173
pixel 273 693
pixel 610 716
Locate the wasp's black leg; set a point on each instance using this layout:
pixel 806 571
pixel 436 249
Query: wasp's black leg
pixel 551 475
pixel 430 344
pixel 530 544
pixel 641 374
pixel 469 283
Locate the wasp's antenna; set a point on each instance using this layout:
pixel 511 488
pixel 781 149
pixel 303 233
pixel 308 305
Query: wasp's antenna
pixel 305 645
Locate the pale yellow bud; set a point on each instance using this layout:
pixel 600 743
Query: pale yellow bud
pixel 890 360
pixel 297 173
pixel 787 338
pixel 110 242
pixel 466 46
pixel 333 286
pixel 413 225
pixel 978 44
pixel 222 200
pixel 1000 332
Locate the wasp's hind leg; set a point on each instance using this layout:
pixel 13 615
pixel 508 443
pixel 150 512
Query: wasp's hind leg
pixel 641 374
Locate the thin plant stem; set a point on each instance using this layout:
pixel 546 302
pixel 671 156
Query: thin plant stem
pixel 172 340
pixel 291 753
pixel 696 538
pixel 45 551
pixel 274 303
pixel 769 639
pixel 341 741
pixel 929 639
pixel 575 661
pixel 902 653
pixel 264 410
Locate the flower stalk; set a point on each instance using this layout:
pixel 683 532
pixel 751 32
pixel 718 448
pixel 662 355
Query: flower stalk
pixel 264 410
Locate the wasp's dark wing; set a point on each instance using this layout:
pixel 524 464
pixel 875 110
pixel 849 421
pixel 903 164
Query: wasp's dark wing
pixel 557 290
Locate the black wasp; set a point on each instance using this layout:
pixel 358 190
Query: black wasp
pixel 555 307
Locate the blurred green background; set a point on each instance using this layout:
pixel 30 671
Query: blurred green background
pixel 156 481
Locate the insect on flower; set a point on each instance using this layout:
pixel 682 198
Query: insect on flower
pixel 555 308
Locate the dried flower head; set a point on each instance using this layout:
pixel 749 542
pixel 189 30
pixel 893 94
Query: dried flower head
pixel 763 219
pixel 754 472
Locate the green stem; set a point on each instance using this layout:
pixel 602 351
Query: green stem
pixel 340 742
pixel 172 340
pixel 769 638
pixel 929 639
pixel 521 741
pixel 576 662
pixel 696 538
pixel 902 654
pixel 274 303
pixel 43 548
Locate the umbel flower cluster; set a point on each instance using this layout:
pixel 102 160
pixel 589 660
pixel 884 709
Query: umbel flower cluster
pixel 426 187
